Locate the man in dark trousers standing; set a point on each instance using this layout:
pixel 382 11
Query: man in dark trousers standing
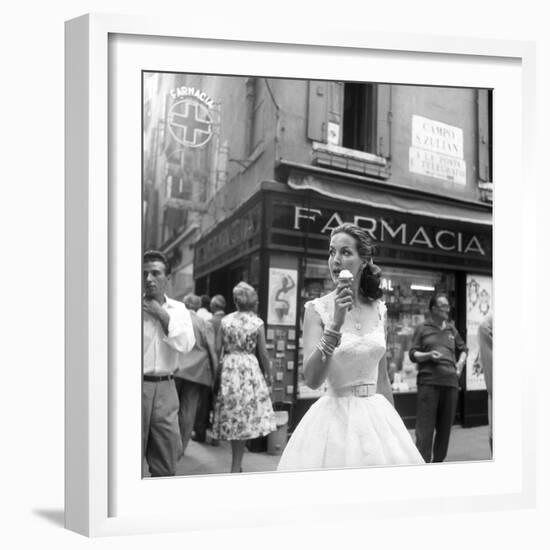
pixel 206 403
pixel 435 346
pixel 196 370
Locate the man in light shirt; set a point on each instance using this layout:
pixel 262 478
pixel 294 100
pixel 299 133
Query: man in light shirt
pixel 167 332
pixel 204 309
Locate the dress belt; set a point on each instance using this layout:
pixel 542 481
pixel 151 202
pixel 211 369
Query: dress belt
pixel 359 390
pixel 157 378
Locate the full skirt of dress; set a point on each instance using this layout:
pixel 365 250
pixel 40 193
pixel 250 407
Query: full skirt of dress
pixel 342 432
pixel 242 406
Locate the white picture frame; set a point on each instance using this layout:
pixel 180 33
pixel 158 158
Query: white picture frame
pixel 103 52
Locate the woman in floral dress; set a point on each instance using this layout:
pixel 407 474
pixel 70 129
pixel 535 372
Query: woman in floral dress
pixel 242 408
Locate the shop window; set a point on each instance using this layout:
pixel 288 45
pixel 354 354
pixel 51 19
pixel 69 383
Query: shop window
pixel 407 293
pixel 316 282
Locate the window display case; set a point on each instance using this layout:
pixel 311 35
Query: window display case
pixel 317 282
pixel 407 293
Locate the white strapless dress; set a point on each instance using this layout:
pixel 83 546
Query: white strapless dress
pixel 341 430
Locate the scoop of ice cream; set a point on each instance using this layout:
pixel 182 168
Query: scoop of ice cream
pixel 345 275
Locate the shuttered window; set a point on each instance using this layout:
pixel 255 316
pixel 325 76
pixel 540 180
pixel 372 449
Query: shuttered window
pixel 352 115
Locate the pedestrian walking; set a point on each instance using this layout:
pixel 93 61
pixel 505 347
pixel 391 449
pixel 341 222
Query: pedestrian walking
pixel 435 346
pixel 206 402
pixel 204 309
pixel 217 307
pixel 196 370
pixel 167 334
pixel 242 408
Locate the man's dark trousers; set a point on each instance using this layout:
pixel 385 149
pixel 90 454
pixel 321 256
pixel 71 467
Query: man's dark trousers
pixel 202 420
pixel 436 409
pixel 189 394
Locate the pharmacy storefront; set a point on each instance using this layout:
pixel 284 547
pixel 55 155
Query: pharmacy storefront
pixel 280 245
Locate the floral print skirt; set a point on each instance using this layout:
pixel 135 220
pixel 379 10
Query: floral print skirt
pixel 242 407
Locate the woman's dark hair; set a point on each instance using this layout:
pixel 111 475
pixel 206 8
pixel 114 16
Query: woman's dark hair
pixel 371 275
pixel 369 285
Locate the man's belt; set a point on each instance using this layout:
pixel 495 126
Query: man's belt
pixel 157 378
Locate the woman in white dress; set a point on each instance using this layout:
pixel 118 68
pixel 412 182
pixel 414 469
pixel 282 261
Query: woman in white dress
pixel 355 425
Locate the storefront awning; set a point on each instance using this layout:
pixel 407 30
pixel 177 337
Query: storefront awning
pixel 392 199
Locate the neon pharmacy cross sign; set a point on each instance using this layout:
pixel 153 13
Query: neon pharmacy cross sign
pixel 190 123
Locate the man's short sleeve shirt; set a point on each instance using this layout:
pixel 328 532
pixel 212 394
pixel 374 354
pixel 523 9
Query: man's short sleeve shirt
pixel 448 342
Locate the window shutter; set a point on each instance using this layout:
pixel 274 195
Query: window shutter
pixel 335 114
pixel 483 138
pixel 317 110
pixel 383 120
pixel 336 102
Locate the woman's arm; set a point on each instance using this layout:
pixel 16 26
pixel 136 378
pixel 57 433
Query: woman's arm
pixel 314 367
pixel 263 356
pixel 219 341
pixel 316 361
pixel 211 349
pixel 383 385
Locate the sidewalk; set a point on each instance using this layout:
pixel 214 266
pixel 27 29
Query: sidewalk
pixel 202 458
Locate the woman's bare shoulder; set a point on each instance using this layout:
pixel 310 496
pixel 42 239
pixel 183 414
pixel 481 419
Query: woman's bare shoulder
pixel 320 308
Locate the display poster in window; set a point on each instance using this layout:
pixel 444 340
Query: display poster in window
pixel 282 297
pixel 479 295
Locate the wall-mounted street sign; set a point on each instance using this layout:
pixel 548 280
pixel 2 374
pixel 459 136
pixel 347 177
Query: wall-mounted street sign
pixel 437 150
pixel 189 118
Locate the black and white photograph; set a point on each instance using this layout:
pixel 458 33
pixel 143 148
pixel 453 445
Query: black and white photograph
pixel 317 274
